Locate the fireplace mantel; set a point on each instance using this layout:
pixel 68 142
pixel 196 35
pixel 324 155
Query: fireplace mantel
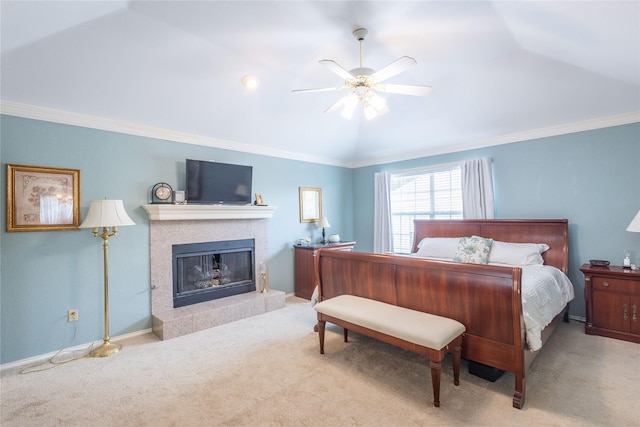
pixel 202 212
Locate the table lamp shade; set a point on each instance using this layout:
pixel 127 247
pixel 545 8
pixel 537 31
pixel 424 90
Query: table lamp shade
pixel 635 224
pixel 106 213
pixel 323 222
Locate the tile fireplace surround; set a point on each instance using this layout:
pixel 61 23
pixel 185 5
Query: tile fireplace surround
pixel 181 224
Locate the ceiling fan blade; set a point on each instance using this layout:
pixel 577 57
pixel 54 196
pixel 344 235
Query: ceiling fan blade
pixel 335 107
pixel 396 67
pixel 337 69
pixel 322 89
pixel 404 89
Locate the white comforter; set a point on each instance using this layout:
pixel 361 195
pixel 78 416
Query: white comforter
pixel 545 292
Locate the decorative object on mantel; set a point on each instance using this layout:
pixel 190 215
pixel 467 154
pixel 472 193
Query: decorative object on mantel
pixel 104 214
pixel 334 238
pixel 259 200
pixel 42 198
pixel 263 277
pixel 162 193
pixel 179 197
pixel 323 223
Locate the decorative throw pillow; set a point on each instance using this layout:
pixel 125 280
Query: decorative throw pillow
pixel 517 253
pixel 473 249
pixel 438 247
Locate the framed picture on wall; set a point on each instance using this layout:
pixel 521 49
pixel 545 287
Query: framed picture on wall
pixel 42 198
pixel 310 204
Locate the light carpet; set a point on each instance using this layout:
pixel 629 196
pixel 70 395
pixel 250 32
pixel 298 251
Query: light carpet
pixel 267 371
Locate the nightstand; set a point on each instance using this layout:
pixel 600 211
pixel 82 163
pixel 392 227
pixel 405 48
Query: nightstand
pixel 612 296
pixel 305 268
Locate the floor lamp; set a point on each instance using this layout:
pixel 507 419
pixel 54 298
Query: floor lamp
pixel 104 214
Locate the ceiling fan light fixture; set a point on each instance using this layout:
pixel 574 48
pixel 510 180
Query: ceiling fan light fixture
pixel 370 111
pixel 347 112
pixel 378 102
pixel 350 103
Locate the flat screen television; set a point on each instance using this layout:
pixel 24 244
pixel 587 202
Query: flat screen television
pixel 213 183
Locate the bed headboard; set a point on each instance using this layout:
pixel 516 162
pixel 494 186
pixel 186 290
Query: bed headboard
pixel 553 232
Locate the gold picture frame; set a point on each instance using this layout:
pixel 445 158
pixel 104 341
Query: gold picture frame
pixel 310 204
pixel 259 200
pixel 42 198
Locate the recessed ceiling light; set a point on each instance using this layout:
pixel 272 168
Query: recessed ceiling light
pixel 250 82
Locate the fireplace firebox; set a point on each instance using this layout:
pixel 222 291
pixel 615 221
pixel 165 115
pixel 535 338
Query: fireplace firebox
pixel 212 270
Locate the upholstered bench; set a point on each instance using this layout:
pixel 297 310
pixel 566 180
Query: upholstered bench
pixel 423 333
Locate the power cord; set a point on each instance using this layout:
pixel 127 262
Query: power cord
pixel 52 360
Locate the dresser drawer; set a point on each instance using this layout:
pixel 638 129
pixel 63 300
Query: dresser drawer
pixel 615 285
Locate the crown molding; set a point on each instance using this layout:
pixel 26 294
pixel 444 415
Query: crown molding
pixel 82 120
pixel 582 126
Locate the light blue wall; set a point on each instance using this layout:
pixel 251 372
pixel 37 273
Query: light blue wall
pixel 591 178
pixel 44 274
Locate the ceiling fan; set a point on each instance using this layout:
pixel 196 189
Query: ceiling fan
pixel 364 83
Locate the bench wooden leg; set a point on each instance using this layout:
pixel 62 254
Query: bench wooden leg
pixel 435 381
pixel 456 356
pixel 435 360
pixel 346 335
pixel 321 324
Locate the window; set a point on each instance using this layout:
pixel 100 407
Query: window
pixel 433 193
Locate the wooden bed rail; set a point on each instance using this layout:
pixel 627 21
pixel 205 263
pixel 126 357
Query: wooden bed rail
pixel 485 299
pixel 479 297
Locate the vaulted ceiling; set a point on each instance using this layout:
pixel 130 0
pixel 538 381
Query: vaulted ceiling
pixel 500 70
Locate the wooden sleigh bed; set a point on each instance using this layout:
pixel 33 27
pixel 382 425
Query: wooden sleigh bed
pixel 487 299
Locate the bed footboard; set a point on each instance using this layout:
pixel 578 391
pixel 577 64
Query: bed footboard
pixel 486 299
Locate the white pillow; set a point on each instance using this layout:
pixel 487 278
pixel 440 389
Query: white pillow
pixel 517 253
pixel 438 247
pixel 474 250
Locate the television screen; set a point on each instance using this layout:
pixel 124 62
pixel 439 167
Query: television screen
pixel 218 183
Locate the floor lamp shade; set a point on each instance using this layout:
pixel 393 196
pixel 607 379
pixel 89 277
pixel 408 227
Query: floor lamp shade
pixel 102 215
pixel 106 213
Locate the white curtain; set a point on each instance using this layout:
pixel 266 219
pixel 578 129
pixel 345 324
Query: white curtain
pixel 382 234
pixel 477 189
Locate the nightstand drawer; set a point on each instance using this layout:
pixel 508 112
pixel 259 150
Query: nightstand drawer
pixel 615 285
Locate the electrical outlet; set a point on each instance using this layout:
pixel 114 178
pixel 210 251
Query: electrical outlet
pixel 72 315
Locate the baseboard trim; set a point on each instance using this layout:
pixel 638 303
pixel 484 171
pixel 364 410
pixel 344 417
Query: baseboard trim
pixel 18 365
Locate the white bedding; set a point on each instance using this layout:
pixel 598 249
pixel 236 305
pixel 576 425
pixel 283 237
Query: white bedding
pixel 545 292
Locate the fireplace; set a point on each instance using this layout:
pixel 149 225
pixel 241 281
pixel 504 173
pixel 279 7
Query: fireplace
pixel 212 270
pixel 172 225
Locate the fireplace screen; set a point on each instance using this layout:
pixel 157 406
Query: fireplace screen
pixel 206 271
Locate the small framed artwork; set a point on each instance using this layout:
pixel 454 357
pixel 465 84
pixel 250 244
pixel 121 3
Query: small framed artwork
pixel 259 200
pixel 310 204
pixel 42 198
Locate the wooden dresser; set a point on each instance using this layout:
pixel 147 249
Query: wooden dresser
pixel 612 296
pixel 304 265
